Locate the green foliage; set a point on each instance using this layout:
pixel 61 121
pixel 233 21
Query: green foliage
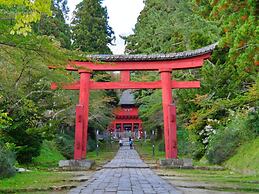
pixel 229 81
pixel 222 146
pixel 49 155
pixel 7 161
pixel 244 160
pixel 4 120
pixel 91 144
pixel 25 93
pixel 161 146
pixel 224 143
pixel 34 111
pixel 164 26
pixel 183 143
pixel 197 148
pixel 151 109
pixel 65 145
pixel 55 25
pixel 26 12
pixel 236 59
pixel 91 32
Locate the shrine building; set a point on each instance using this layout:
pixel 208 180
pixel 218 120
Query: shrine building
pixel 127 121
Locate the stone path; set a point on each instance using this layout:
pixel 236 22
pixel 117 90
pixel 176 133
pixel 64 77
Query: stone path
pixel 125 174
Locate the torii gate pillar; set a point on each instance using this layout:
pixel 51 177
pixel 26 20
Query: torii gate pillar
pixel 169 122
pixel 165 63
pixel 82 116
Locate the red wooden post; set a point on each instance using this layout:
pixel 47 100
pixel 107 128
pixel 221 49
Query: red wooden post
pixel 125 76
pixel 167 100
pixel 173 129
pixel 185 60
pixel 78 133
pixel 84 100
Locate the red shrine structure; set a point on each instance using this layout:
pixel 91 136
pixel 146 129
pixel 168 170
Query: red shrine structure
pixel 127 121
pixel 165 64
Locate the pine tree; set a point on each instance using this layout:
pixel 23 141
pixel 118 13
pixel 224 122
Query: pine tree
pixel 91 32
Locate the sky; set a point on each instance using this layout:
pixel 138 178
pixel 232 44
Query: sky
pixel 123 16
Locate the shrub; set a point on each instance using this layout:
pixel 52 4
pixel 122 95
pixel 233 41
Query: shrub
pixel 49 155
pixel 183 143
pixel 27 141
pixel 27 145
pixel 161 146
pixel 253 120
pixel 222 146
pixel 65 144
pixel 225 142
pixel 197 150
pixel 7 160
pixel 91 144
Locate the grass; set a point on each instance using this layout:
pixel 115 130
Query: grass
pixel 219 180
pixel 145 151
pixel 105 153
pixel 246 160
pixel 43 177
pixel 49 156
pixel 226 180
pixel 33 181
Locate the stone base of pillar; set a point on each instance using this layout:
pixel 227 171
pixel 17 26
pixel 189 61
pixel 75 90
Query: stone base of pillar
pixel 74 165
pixel 176 163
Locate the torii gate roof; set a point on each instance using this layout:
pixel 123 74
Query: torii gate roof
pixel 153 57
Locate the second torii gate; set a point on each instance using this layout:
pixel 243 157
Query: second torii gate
pixel 164 63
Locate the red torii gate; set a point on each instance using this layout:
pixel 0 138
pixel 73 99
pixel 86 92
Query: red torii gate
pixel 164 63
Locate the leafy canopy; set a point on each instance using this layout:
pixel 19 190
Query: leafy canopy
pixel 25 13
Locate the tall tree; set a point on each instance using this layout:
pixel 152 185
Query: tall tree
pixel 91 32
pixel 25 96
pixel 229 78
pixel 237 58
pixel 164 26
pixel 56 25
pixel 169 26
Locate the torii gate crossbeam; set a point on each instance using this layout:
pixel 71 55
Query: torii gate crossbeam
pixel 164 63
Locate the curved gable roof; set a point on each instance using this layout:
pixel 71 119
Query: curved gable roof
pixel 127 98
pixel 153 57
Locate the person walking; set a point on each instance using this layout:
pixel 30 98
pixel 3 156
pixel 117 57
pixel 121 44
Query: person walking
pixel 131 143
pixel 120 142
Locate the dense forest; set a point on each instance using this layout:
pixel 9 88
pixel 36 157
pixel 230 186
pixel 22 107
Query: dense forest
pixel 216 119
pixel 213 121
